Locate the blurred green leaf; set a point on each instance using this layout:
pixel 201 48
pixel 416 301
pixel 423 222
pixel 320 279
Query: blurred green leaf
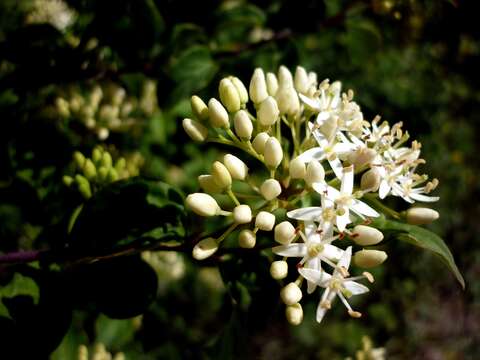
pixel 19 285
pixel 423 238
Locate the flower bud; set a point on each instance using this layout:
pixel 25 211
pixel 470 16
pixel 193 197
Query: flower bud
pixel 370 180
pixel 103 173
pixel 312 79
pixel 272 84
pixel 242 214
pixel 273 153
pixel 301 80
pixel 315 173
pixel 284 233
pixel 285 78
pixel 235 166
pixel 362 156
pixel 79 159
pixel 195 130
pixel 241 89
pixel 229 95
pixel 270 189
pixel 294 314
pixel 218 114
pixel 67 180
pixel 366 235
pixel 121 164
pixel 106 160
pixel 89 170
pixel 258 86
pixel 291 294
pixel 264 221
pixel 247 239
pixel 83 186
pixel 112 175
pixel 205 248
pixel 297 169
pixel 421 216
pixel 268 112
pixel 369 258
pixel 202 204
pixel 243 125
pixel 208 184
pixel 221 175
pixel 97 154
pixel 287 100
pixel 260 141
pixel 199 108
pixel 279 269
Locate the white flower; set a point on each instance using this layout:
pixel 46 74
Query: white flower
pixel 337 285
pixel 345 200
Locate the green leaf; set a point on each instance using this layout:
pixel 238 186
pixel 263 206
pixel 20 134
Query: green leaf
pixel 423 238
pixel 19 285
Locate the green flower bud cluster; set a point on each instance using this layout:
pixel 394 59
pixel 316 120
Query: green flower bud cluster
pixel 99 352
pixel 97 171
pixel 107 108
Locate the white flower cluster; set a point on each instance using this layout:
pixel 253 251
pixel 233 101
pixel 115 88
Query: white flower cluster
pixel 338 157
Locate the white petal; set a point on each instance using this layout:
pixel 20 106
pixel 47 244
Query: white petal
pixel 292 250
pixel 316 265
pixel 343 148
pixel 346 258
pixel 355 288
pixel 322 116
pixel 320 278
pixel 311 103
pixel 336 166
pixel 424 198
pixel 306 214
pixel 384 189
pixel 330 296
pixel 310 228
pixel 347 180
pixel 315 153
pixel 332 252
pixel 343 221
pixel 361 208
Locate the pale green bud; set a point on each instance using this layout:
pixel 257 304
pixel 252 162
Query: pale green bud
pixel 82 352
pixel 243 125
pixel 285 78
pixel 63 107
pixel 369 258
pixel 273 153
pixel 221 175
pixel 272 84
pixel 112 175
pixel 291 294
pixel 118 96
pixel 106 160
pixel 67 180
pixel 83 186
pixel 203 204
pixel 103 173
pixel 121 164
pixel 205 248
pixel 268 112
pixel 294 314
pixel 235 166
pixel 260 141
pixel 279 269
pixel 301 80
pixel 270 189
pixel 265 221
pixel 312 79
pixel 242 214
pixel 287 100
pixel 284 233
pixel 199 108
pixel 258 86
pixel 229 95
pixel 366 235
pixel 297 169
pixel 195 130
pixel 218 114
pixel 370 180
pixel 89 170
pixel 97 154
pixel 315 172
pixel 208 184
pixel 421 216
pixel 247 239
pixel 242 90
pixel 79 159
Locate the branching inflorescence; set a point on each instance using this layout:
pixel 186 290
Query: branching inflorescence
pixel 329 171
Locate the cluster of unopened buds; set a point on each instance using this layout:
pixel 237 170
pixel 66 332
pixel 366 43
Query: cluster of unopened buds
pixel 99 352
pixel 107 108
pixel 327 168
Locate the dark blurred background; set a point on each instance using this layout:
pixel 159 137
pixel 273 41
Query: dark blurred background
pixel 407 60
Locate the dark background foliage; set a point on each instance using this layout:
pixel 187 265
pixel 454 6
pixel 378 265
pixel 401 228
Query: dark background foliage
pixel 407 60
